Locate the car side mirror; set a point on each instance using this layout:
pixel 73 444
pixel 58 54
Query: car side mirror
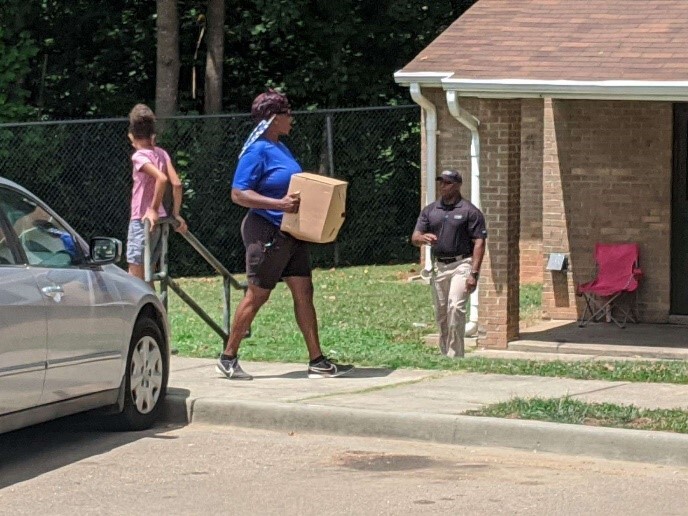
pixel 105 250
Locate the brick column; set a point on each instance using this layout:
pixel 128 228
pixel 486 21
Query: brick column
pixel 531 266
pixel 558 291
pixel 500 137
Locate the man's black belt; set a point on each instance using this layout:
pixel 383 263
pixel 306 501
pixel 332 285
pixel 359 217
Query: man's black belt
pixel 452 259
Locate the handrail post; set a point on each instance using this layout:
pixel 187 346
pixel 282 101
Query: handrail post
pixel 147 265
pixel 225 310
pixel 162 275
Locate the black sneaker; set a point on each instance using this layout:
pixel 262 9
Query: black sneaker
pixel 232 370
pixel 325 368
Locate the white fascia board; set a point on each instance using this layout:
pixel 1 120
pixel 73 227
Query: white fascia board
pixel 429 79
pixel 562 89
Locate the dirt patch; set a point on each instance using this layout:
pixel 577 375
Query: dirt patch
pixel 641 423
pixel 365 461
pixel 406 275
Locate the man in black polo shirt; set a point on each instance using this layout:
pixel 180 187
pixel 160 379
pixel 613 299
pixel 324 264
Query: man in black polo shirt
pixel 455 230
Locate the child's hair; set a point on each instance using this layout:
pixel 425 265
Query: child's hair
pixel 141 121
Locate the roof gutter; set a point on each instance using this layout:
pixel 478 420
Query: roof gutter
pixel 471 123
pixel 670 91
pixel 430 79
pixel 431 154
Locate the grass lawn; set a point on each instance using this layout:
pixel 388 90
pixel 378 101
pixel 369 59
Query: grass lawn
pixel 373 316
pixel 567 410
pixel 369 315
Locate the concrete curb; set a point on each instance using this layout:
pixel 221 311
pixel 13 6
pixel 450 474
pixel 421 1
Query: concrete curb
pixel 607 443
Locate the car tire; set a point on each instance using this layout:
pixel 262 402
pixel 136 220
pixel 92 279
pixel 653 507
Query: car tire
pixel 146 374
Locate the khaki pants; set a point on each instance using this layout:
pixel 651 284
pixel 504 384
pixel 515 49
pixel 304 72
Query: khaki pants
pixel 450 295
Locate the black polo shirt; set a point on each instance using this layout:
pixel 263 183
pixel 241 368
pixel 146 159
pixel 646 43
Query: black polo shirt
pixel 455 225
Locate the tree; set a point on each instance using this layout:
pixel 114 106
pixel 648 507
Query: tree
pixel 167 62
pixel 215 20
pixel 15 58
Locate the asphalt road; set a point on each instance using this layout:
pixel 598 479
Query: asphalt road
pixel 63 468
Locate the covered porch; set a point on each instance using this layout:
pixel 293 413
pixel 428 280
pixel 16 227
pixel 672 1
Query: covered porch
pixel 563 337
pixel 565 340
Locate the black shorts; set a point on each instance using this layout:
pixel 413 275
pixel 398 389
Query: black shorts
pixel 271 254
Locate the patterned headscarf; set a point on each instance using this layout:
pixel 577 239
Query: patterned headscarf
pixel 256 133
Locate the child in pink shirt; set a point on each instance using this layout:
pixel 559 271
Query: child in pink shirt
pixel 152 170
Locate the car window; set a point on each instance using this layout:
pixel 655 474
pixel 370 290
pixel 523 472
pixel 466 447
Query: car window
pixel 6 255
pixel 44 240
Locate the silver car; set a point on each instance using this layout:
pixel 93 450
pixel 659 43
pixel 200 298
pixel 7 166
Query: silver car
pixel 76 331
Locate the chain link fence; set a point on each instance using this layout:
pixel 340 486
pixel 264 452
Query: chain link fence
pixel 83 170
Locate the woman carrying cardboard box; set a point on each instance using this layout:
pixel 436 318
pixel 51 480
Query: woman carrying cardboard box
pixel 261 181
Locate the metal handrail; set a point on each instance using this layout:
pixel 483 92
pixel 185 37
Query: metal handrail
pixel 162 274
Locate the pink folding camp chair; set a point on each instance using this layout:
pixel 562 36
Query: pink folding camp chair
pixel 613 294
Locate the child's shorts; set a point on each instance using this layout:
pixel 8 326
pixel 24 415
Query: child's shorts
pixel 136 242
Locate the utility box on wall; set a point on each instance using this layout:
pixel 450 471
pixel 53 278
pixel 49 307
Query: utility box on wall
pixel 321 211
pixel 557 262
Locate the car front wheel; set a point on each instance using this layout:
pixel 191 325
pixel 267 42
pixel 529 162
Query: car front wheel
pixel 146 376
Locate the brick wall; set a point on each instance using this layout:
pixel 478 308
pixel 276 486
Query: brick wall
pixel 531 258
pixel 607 177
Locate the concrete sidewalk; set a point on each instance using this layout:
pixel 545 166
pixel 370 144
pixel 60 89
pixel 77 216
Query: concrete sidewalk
pixel 420 404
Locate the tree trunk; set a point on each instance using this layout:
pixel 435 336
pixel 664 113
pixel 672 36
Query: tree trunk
pixel 215 20
pixel 167 68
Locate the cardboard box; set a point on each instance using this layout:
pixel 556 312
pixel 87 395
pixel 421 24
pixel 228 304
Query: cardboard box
pixel 322 209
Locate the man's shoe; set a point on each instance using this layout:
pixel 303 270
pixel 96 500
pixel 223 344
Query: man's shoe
pixel 232 370
pixel 324 368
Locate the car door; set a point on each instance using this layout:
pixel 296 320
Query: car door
pixel 23 328
pixel 84 332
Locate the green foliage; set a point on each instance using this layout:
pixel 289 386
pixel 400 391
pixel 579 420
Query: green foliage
pixel 100 56
pixel 330 54
pixel 16 52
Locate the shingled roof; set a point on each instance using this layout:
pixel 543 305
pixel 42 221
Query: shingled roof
pixel 549 40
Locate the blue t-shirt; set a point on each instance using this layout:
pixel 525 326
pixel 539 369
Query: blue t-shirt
pixel 266 168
